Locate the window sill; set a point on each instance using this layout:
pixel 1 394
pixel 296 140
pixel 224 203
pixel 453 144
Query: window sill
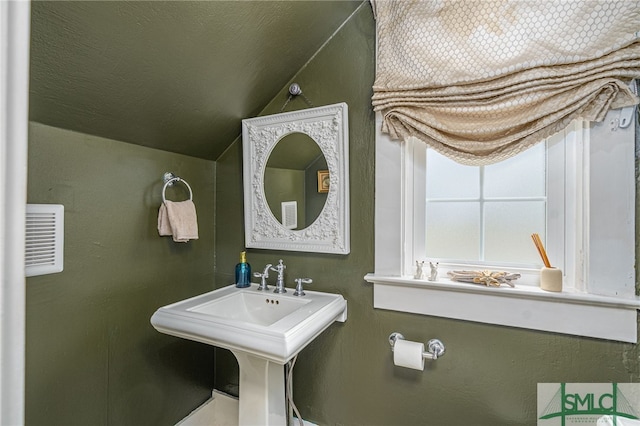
pixel 529 307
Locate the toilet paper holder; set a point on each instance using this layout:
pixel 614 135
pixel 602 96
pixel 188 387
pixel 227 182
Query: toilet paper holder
pixel 435 348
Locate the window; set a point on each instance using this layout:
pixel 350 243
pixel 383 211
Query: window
pixel 485 214
pixel 577 189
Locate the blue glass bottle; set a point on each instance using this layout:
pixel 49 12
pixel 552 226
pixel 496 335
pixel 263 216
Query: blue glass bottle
pixel 243 272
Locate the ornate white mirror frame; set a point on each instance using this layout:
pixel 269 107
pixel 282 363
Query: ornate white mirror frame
pixel 328 126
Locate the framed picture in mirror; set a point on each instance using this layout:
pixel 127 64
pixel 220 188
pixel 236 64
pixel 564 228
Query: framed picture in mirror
pixel 323 181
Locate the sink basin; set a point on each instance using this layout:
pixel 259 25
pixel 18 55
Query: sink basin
pixel 273 326
pixel 255 308
pixel 263 330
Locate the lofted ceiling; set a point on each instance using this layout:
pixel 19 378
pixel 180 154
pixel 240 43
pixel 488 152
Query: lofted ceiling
pixel 172 75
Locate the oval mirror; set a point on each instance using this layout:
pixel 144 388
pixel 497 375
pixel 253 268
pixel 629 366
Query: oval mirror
pixel 313 143
pixel 291 181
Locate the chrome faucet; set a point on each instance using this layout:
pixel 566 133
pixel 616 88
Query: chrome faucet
pixel 263 277
pixel 280 280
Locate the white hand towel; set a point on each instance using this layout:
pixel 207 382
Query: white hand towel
pixel 179 219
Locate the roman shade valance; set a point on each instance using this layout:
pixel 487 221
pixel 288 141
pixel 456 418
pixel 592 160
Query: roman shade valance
pixel 480 81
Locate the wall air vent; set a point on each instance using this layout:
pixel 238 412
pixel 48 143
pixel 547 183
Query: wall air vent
pixel 44 240
pixel 290 214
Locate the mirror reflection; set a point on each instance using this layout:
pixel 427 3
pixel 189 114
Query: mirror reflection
pixel 291 185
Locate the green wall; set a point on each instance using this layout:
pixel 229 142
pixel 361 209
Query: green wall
pixel 346 376
pixel 285 185
pixel 92 357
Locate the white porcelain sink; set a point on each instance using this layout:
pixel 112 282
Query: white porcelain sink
pixel 263 330
pixel 272 326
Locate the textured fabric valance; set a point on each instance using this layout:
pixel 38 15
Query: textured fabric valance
pixel 481 80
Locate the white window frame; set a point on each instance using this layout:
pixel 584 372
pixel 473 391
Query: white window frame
pixel 15 18
pixel 598 299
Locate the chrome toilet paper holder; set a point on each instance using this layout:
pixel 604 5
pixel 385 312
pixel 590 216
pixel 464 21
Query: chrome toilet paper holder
pixel 435 348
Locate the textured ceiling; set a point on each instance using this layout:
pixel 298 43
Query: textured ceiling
pixel 173 75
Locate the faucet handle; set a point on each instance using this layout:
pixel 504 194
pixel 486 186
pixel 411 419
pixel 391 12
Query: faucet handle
pixel 265 273
pixel 263 278
pixel 299 281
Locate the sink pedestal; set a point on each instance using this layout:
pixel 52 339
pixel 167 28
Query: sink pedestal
pixel 262 330
pixel 262 394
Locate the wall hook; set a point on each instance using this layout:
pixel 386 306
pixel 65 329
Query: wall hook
pixel 295 89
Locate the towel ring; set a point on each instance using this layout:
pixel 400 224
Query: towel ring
pixel 170 182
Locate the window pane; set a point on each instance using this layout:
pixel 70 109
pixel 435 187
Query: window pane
pixel 519 176
pixel 508 229
pixel 453 230
pixel 448 179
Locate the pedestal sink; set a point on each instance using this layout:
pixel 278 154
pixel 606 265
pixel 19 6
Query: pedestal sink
pixel 263 330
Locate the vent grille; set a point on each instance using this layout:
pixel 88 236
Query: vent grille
pixel 290 214
pixel 44 239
